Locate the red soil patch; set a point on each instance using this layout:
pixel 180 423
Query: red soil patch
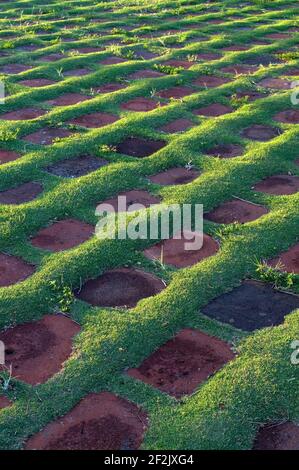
pixel 278 36
pixel 175 176
pixel 239 69
pixel 213 110
pixel 260 132
pixel 279 185
pixel 283 436
pixel 136 196
pixel 47 136
pixel 4 402
pixel 179 63
pixel 250 95
pixel 76 72
pixel 175 253
pixel 37 82
pixel 210 81
pixel 179 125
pixel 21 194
pixel 13 270
pixel 51 57
pixel 112 61
pixel 292 73
pixel 145 54
pixel 276 83
pixel 76 167
pixel 208 56
pixel 236 48
pixel 14 68
pixel 184 362
pixel 37 350
pixel 7 156
pixel 23 114
pixel 140 148
pixel 140 74
pixel 226 151
pixel 288 260
pixel 68 99
pixel 89 50
pixel 122 287
pixel 176 92
pixel 95 120
pixel 63 235
pixel 110 88
pixel 140 105
pixel 236 211
pixel 100 421
pixel 289 116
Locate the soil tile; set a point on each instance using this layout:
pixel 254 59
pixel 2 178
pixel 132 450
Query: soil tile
pixel 265 59
pixel 21 194
pixel 138 147
pixel 51 57
pixel 179 125
pixel 175 176
pixel 176 92
pixel 184 362
pixel 277 436
pixel 76 72
pixel 252 306
pixel 213 110
pixel 4 402
pixel 239 69
pixel 76 167
pixel 22 114
pixel 288 260
pixel 135 196
pixel 7 156
pixel 179 63
pixel 47 135
pixel 208 56
pixel 250 95
pixel 279 185
pixel 110 87
pixel 100 421
pixel 13 270
pixel 37 82
pixel 226 151
pixel 37 350
pixel 95 120
pixel 210 81
pixel 63 235
pixel 260 132
pixel 68 99
pixel 141 74
pixel 122 287
pixel 140 105
pixel 236 211
pixel 176 254
pixel 275 83
pixel 13 69
pixel 289 116
pixel 112 61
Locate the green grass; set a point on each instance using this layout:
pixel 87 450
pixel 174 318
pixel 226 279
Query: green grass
pixel 260 385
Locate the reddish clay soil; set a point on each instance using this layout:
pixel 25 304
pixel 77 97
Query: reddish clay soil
pixel 252 306
pixel 290 116
pixel 175 253
pixel 74 168
pixel 22 194
pixel 37 350
pixel 122 287
pixel 89 50
pixel 250 95
pixel 143 54
pixel 47 135
pixel 236 48
pixel 179 125
pixel 37 82
pixel 208 56
pixel 139 105
pixel 213 110
pixel 23 114
pixel 236 211
pixel 288 260
pixel 4 402
pixel 260 132
pixel 15 68
pixel 68 99
pixel 138 147
pixel 292 73
pixel 175 176
pixel 63 235
pixel 136 196
pixel 277 436
pixel 110 88
pixel 239 69
pixel 275 83
pixel 140 74
pixel 95 120
pixel 279 185
pixel 76 72
pixel 13 270
pixel 7 156
pixel 226 151
pixel 184 362
pixel 100 421
pixel 179 63
pixel 51 57
pixel 210 81
pixel 176 92
pixel 278 36
pixel 112 61
pixel 265 59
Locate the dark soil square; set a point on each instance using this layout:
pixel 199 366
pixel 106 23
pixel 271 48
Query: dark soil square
pixel 175 176
pixel 13 69
pixel 210 81
pixel 260 132
pixel 185 64
pixel 277 436
pixel 225 151
pixel 74 168
pixel 21 194
pixel 207 56
pixel 47 135
pixel 37 82
pixel 265 60
pixel 135 196
pixel 112 61
pixel 13 270
pixel 4 402
pixel 288 260
pixel 37 350
pixel 120 288
pixel 76 72
pixel 110 87
pixel 213 110
pixel 276 83
pixel 176 92
pixel 239 69
pixel 95 120
pixel 250 95
pixel 176 254
pixel 252 306
pixel 140 105
pixel 138 147
pixel 22 114
pixel 290 116
pixel 236 211
pixel 100 421
pixel 279 185
pixel 7 156
pixel 184 362
pixel 51 57
pixel 63 235
pixel 179 125
pixel 68 99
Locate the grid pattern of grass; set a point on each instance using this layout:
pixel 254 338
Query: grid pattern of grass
pixel 260 385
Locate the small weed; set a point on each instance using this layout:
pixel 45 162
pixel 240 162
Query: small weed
pixel 64 296
pixel 275 275
pixel 169 69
